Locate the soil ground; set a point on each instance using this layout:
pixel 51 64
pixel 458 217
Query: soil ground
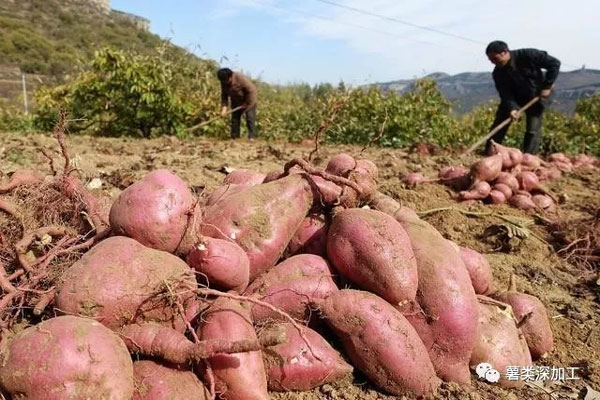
pixel 570 292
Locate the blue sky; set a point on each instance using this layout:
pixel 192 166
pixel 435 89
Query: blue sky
pixel 364 41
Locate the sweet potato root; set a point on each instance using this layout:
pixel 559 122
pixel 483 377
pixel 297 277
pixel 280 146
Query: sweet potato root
pixel 380 342
pixel 120 282
pixel 155 381
pixel 155 211
pixel 293 366
pixel 223 263
pixel 499 343
pixel 261 219
pixel 67 357
pixel 534 322
pixel 372 250
pixel 291 286
pixel 238 376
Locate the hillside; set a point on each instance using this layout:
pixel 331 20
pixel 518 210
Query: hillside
pixel 468 89
pixel 49 37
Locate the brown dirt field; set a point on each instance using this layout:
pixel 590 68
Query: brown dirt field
pixel 570 293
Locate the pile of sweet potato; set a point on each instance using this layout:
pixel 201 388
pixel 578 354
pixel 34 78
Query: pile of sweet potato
pixel 507 175
pixel 282 281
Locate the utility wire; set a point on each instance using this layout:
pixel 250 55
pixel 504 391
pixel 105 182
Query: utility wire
pixel 426 28
pixel 385 17
pixel 304 13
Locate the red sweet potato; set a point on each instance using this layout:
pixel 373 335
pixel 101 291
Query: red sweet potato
pixel 496 197
pixel 544 202
pixel 155 381
pixel 530 311
pixel 486 169
pixel 243 176
pixel 341 164
pixel 291 286
pixel 69 358
pixel 531 161
pixel 21 177
pixel 480 190
pixel 380 342
pixel 456 177
pixel 505 189
pixel 522 201
pixel 261 219
pixel 167 344
pixel 479 270
pixel 445 312
pixel 499 343
pixel 413 179
pixel 154 211
pixel 311 236
pixel 119 282
pixel 238 376
pixel 507 179
pixel 510 155
pixel 372 250
pixel 223 191
pixel 223 263
pixel 293 366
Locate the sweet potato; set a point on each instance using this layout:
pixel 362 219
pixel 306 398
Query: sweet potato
pixel 372 250
pixel 155 211
pixel 455 177
pixel 505 189
pixel 528 181
pixel 155 381
pixel 507 179
pixel 223 263
pixel 311 236
pixel 531 313
pixel 21 177
pixel 499 343
pixel 486 169
pixel 380 342
pixel 223 191
pixel 293 366
pixel 413 178
pixel 69 358
pixel 479 190
pixel 238 376
pixel 445 312
pixel 544 202
pixel 479 269
pixel 496 197
pixel 341 164
pixel 510 155
pixel 291 285
pixel 363 172
pixel 532 161
pixel 522 201
pixel 261 219
pixel 243 176
pixel 120 281
pixel 167 344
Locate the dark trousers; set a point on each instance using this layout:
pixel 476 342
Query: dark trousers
pixel 236 119
pixel 533 130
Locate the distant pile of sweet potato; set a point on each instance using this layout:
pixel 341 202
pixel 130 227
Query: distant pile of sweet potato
pixel 507 175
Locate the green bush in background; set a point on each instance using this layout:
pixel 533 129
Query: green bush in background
pixel 168 91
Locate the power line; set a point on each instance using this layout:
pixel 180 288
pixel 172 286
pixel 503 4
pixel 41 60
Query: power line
pixel 426 28
pixel 304 13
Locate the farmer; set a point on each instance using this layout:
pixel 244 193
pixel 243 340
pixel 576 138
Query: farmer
pixel 243 95
pixel 518 77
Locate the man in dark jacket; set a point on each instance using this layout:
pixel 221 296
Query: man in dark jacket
pixel 242 93
pixel 518 77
